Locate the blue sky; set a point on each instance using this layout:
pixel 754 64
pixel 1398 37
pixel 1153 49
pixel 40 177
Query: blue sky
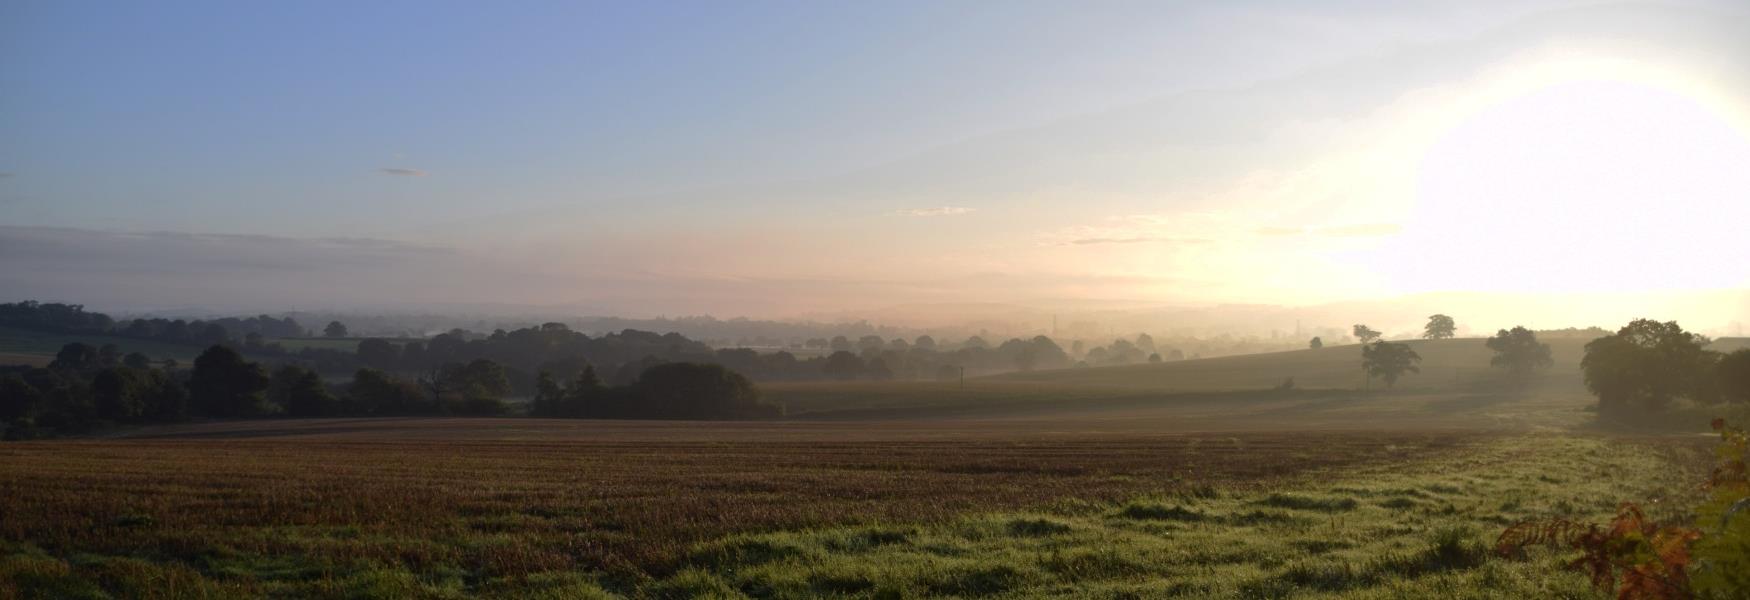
pixel 735 157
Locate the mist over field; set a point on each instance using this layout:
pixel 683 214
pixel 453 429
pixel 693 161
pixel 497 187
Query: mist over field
pixel 1105 299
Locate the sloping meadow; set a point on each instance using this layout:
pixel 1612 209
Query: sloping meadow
pixel 1421 531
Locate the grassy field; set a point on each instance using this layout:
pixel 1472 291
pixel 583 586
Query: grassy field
pixel 394 507
pixel 451 508
pixel 1131 482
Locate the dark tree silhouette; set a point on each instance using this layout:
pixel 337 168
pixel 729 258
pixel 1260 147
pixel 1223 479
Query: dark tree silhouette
pixel 1316 343
pixel 1645 365
pixel 1440 327
pixel 374 392
pixel 335 329
pixel 1389 361
pixel 224 385
pixel 1364 333
pixel 1518 351
pixel 301 393
pixel 76 357
pixel 698 391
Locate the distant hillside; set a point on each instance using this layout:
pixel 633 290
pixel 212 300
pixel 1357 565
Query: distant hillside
pixel 1445 363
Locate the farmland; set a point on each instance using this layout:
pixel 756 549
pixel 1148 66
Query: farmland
pixel 337 505
pixel 1176 479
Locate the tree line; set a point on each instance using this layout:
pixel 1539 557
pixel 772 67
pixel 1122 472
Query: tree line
pixel 86 388
pixel 1647 366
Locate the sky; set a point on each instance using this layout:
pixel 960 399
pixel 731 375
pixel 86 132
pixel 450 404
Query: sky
pixel 777 159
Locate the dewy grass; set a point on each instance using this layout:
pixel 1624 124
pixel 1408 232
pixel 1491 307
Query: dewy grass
pixel 1345 539
pixel 806 520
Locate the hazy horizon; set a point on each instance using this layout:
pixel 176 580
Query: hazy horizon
pixel 1553 163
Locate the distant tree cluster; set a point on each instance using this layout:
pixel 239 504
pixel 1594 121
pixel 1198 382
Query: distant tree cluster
pixel 1389 361
pixel 86 387
pixel 1126 352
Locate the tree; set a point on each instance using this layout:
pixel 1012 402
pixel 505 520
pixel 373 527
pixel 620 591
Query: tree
pixel 119 394
pixel 924 342
pixel 1733 374
pixel 481 383
pixel 1645 365
pixel 1154 358
pixel 1316 343
pixel 698 391
pixel 1518 351
pixel 1440 327
pixel 1389 361
pixel 76 357
pixel 19 400
pixel 301 393
pixel 335 329
pixel 549 398
pixel 378 353
pixel 1364 333
pixel 842 365
pixel 585 392
pixel 377 393
pixel 225 385
pixel 975 342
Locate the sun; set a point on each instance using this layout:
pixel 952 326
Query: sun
pixel 1581 177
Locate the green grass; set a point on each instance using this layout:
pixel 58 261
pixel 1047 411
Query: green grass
pixel 1416 530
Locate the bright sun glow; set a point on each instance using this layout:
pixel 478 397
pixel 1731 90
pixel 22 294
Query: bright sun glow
pixel 1580 176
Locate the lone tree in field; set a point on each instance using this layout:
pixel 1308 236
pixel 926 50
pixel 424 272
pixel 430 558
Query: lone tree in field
pixel 1389 361
pixel 1364 333
pixel 335 329
pixel 1645 366
pixel 1316 343
pixel 1440 327
pixel 1518 351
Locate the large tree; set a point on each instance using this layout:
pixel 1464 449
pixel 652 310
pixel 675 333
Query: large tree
pixel 301 392
pixel 1389 361
pixel 1518 351
pixel 1645 365
pixel 698 391
pixel 335 329
pixel 225 385
pixel 1364 333
pixel 1440 327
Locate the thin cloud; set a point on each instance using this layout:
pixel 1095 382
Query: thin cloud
pixel 1135 240
pixel 1281 231
pixel 939 211
pixel 1365 230
pixel 402 172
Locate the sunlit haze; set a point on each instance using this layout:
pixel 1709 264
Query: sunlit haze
pixel 1555 163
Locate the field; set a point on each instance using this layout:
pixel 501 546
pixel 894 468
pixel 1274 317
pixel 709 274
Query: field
pixel 1173 480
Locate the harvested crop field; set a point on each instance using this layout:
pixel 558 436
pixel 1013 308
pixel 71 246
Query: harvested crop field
pixel 311 513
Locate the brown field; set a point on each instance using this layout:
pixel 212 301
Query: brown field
pixel 263 504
